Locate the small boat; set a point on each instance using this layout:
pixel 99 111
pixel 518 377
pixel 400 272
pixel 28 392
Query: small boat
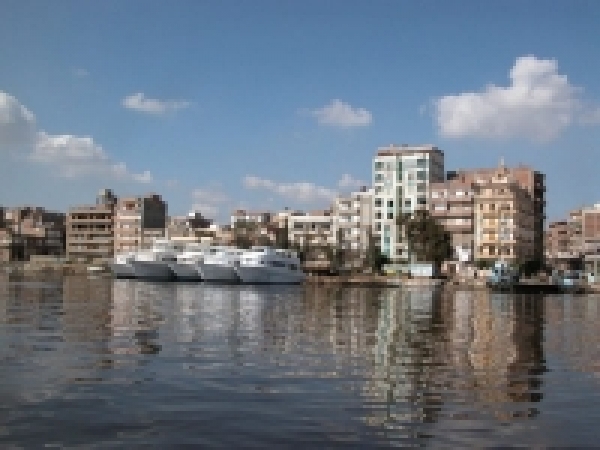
pixel 570 281
pixel 503 277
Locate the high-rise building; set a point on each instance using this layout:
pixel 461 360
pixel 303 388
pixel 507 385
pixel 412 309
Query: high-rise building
pixel 139 221
pixel 401 181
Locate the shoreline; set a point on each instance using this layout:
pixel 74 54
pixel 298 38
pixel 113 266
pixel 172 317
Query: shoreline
pixel 365 280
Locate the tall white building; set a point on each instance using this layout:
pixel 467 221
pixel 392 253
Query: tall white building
pixel 401 178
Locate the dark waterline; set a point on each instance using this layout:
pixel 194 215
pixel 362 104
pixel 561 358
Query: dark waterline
pixel 100 363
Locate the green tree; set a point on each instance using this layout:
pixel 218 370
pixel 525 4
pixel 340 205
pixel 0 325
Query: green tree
pixel 375 260
pixel 282 236
pixel 427 239
pixel 244 234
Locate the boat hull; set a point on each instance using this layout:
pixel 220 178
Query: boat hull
pixel 120 270
pixel 268 275
pixel 218 273
pixel 153 270
pixel 185 272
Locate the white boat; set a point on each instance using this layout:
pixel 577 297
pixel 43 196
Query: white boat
pixel 267 265
pixel 187 267
pixel 154 264
pixel 219 264
pixel 122 267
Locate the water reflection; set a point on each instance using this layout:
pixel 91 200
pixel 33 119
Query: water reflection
pixel 290 364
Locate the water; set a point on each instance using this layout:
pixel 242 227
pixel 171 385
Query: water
pixel 100 363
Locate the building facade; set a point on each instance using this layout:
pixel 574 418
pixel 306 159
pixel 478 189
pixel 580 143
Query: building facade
pixel 31 231
pixel 402 176
pixel 504 220
pixel 314 228
pixel 352 224
pixel 138 222
pixel 532 181
pixel 90 229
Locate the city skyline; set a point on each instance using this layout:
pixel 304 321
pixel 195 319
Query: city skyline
pixel 224 105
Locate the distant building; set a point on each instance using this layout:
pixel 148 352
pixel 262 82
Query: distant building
pixel 31 231
pixel 352 223
pixel 314 228
pixel 139 221
pixel 191 228
pixel 90 229
pixel 401 181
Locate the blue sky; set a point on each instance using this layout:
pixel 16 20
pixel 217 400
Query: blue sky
pixel 276 103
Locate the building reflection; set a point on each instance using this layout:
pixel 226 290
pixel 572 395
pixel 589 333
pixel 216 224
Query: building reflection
pixel 497 342
pixel 138 310
pixel 573 326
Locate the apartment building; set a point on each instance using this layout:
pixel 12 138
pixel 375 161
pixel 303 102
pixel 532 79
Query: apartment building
pixel 352 219
pixel 505 217
pixel 590 240
pixel 575 221
pixel 31 231
pixel 191 228
pixel 401 181
pixel 90 229
pixel 314 228
pixel 559 238
pixel 527 178
pixel 452 204
pixel 254 217
pixel 139 220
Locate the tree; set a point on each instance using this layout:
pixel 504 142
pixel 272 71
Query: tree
pixel 374 258
pixel 243 233
pixel 282 236
pixel 428 240
pixel 337 256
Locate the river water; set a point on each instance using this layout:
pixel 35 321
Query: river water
pixel 101 363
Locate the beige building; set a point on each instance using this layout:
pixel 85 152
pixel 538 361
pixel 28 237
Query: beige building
pixel 530 180
pixel 138 222
pixel 31 231
pixel 90 229
pixel 504 220
pixel 559 239
pixel 191 228
pixel 314 228
pixel 452 205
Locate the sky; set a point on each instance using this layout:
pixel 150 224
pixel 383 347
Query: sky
pixel 264 104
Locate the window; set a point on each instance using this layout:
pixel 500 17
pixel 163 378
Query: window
pixel 434 194
pixel 421 175
pixel 421 187
pixel 378 177
pixel 422 201
pixel 378 202
pixel 386 229
pixel 407 203
pixel 421 162
pixel 390 203
pixel 378 165
pixel 390 215
pixel 378 215
pixel 378 226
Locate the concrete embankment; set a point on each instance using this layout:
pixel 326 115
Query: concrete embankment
pixel 51 268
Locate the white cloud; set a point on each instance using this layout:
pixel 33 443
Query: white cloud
pixel 17 124
pixel 349 182
pixel 300 191
pixel 209 201
pixel 71 156
pixel 75 157
pixel 340 114
pixel 539 103
pixel 139 102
